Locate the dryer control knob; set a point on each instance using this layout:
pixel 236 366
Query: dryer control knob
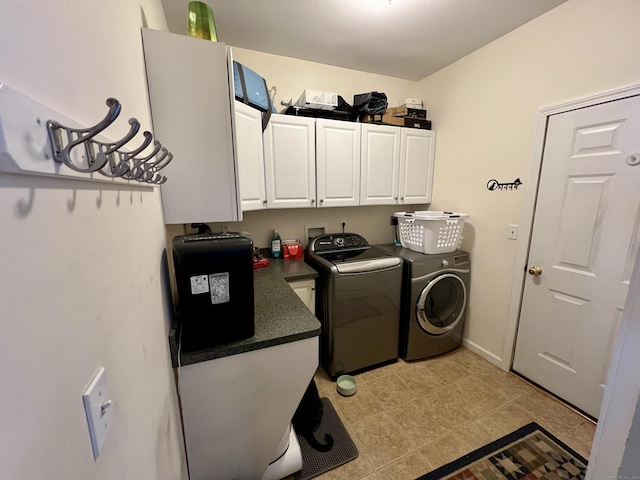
pixel 445 263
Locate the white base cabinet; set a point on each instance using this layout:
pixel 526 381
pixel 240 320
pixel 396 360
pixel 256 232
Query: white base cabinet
pixel 306 290
pixel 235 409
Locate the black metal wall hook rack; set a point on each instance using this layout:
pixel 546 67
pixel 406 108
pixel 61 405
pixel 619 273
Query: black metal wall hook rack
pixel 28 145
pixel 493 184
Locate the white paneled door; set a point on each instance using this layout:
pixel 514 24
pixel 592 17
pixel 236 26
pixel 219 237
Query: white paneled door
pixel 585 235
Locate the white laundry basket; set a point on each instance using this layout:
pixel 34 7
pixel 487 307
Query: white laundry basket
pixel 431 232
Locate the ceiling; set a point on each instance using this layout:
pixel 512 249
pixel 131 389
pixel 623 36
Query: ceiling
pixel 408 39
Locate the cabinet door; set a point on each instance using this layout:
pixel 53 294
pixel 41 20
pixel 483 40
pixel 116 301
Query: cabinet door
pixel 306 290
pixel 290 162
pixel 250 155
pixel 192 115
pixel 338 163
pixel 417 148
pixel 380 162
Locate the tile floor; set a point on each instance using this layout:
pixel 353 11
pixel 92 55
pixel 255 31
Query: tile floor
pixel 409 418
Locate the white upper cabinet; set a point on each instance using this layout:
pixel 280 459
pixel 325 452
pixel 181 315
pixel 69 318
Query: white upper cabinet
pixel 290 162
pixel 338 163
pixel 417 149
pixel 250 155
pixel 191 97
pixel 380 165
pixel 397 165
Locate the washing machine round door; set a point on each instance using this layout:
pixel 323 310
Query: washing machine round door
pixel 441 304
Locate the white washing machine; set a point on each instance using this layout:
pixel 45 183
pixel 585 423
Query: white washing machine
pixel 435 292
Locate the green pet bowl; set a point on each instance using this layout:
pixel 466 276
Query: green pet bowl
pixel 346 385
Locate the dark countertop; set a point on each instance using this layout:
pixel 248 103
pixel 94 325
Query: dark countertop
pixel 280 315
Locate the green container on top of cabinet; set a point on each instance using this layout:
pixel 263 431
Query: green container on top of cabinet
pixel 201 23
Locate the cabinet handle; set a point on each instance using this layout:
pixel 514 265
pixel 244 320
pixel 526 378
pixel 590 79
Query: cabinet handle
pixel 395 198
pixel 402 198
pixel 313 201
pixel 321 200
pixel 264 201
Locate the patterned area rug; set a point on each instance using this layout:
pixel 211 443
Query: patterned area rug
pixel 530 453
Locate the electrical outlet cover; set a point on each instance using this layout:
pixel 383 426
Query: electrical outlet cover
pixel 99 410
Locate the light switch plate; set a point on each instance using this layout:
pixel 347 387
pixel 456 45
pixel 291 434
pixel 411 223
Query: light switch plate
pixel 99 410
pixel 512 234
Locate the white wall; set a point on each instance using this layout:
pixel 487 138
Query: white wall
pixel 291 76
pixel 372 222
pixel 81 282
pixel 484 107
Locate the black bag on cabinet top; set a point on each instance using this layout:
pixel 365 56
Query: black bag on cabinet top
pixel 372 102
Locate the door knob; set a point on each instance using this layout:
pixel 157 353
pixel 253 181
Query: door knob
pixel 535 271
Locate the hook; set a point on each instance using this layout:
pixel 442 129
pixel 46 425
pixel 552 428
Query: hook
pixel 147 170
pixel 158 165
pixel 76 136
pixel 137 170
pixel 125 157
pixel 112 167
pixel 107 149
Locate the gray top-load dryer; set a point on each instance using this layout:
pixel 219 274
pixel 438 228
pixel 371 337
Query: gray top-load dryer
pixel 357 301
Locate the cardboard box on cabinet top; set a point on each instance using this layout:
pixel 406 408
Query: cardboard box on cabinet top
pixel 404 111
pixel 398 121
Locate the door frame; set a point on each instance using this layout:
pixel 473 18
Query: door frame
pixel 528 213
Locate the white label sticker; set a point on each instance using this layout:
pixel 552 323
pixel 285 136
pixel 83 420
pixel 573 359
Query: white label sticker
pixel 219 287
pixel 199 284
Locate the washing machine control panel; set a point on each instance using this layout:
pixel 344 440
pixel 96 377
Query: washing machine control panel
pixel 338 241
pixel 444 263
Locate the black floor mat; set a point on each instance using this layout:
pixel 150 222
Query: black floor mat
pixel 316 463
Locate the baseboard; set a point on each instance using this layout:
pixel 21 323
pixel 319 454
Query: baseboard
pixel 482 352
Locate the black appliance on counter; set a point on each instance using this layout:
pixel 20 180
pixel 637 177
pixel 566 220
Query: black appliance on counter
pixel 214 280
